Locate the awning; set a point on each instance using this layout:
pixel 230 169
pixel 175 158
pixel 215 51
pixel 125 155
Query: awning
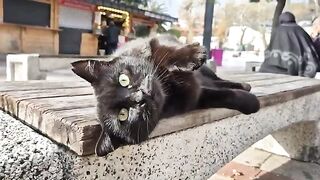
pixel 133 9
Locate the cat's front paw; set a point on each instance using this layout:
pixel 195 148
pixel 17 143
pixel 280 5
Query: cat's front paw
pixel 198 56
pixel 188 58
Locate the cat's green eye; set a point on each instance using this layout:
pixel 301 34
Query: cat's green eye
pixel 124 80
pixel 123 114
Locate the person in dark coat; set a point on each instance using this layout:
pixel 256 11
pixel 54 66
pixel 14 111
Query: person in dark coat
pixel 102 37
pixel 291 50
pixel 112 37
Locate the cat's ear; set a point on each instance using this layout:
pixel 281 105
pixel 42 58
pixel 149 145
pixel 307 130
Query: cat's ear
pixel 104 144
pixel 88 69
pixel 154 44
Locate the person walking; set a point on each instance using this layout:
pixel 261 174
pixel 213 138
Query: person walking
pixel 112 37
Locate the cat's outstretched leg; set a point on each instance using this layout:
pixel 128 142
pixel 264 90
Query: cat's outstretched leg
pixel 187 58
pixel 240 100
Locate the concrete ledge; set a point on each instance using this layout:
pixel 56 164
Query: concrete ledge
pixel 24 67
pixel 299 141
pixel 195 153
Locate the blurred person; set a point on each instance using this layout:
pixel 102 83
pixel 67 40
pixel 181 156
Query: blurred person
pixel 291 50
pixel 102 38
pixel 112 37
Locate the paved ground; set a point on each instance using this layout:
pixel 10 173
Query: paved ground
pixel 251 164
pixel 261 165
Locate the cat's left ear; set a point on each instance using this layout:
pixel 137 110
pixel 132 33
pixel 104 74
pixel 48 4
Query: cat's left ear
pixel 89 69
pixel 104 144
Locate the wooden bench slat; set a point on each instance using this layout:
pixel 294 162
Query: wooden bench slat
pixel 273 81
pixel 287 86
pixel 251 77
pixel 8 97
pixel 36 85
pixel 59 103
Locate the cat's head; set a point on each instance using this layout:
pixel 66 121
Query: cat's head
pixel 129 99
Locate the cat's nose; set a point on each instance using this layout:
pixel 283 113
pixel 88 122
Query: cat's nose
pixel 137 96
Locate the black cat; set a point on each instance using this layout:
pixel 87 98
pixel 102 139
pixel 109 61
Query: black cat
pixel 150 79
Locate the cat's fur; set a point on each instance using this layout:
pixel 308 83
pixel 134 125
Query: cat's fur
pixel 167 79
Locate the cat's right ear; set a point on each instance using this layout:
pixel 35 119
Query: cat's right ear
pixel 88 69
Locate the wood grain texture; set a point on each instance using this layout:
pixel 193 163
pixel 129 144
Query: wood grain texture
pixel 89 44
pixel 65 111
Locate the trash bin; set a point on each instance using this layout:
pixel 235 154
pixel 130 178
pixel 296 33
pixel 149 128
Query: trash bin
pixel 216 55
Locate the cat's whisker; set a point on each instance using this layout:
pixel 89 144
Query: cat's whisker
pixel 158 65
pixel 162 72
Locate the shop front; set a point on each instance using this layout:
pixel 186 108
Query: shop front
pixel 76 24
pixel 132 21
pixel 29 26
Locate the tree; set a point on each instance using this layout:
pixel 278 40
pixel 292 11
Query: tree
pixel 155 6
pixel 253 15
pixel 189 12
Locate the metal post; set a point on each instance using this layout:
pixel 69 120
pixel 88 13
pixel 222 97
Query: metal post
pixel 208 18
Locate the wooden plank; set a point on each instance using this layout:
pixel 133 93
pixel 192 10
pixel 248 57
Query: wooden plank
pixel 250 77
pixel 10 99
pixel 38 85
pixel 70 127
pixel 31 43
pixel 59 103
pixel 10 38
pixel 69 120
pixel 272 81
pixel 288 86
pixel 54 24
pixel 192 119
pixel 89 44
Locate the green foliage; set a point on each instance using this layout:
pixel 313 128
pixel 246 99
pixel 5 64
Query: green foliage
pixel 174 32
pixel 155 6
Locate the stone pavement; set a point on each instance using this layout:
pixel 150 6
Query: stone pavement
pixel 260 165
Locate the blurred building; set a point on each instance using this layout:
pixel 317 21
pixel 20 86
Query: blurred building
pixel 66 26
